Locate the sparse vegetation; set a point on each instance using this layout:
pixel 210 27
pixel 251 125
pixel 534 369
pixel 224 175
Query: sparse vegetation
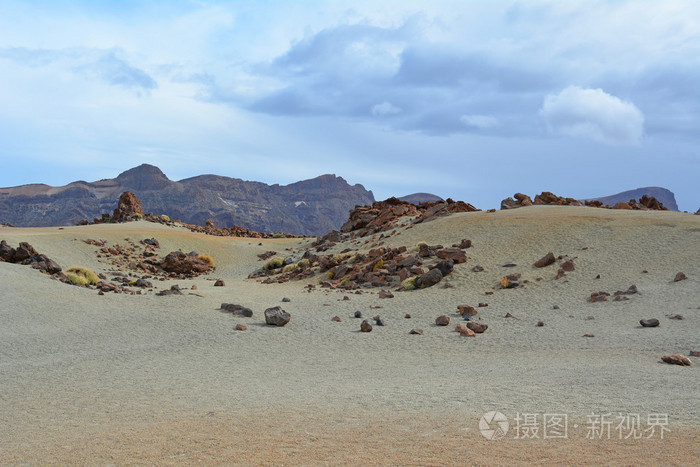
pixel 409 284
pixel 378 265
pixel 275 262
pixel 290 268
pixel 165 218
pixel 279 235
pixel 206 259
pixel 344 281
pixel 304 263
pixel 420 244
pixel 331 275
pixel 504 282
pixel 80 275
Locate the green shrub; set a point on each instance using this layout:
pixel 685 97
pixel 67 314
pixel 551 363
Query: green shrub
pixel 137 216
pixel 275 262
pixel 206 259
pixel 165 218
pixel 352 260
pixel 331 275
pixel 80 275
pixel 409 284
pixel 279 235
pixel 289 268
pixel 344 281
pixel 304 263
pixel 419 244
pixel 378 265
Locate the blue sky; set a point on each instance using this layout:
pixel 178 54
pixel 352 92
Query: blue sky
pixel 464 99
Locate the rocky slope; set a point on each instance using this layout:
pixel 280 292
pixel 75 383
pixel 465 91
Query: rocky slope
pixel 309 207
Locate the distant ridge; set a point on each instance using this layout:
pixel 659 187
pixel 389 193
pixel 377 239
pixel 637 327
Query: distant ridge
pixel 662 194
pixel 417 198
pixel 308 207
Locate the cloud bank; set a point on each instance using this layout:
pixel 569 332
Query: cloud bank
pixel 593 114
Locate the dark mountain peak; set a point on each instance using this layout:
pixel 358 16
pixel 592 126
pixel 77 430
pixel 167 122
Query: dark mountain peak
pixel 144 177
pixel 662 194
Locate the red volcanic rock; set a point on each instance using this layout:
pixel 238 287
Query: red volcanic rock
pixel 594 203
pixel 128 208
pixel 622 205
pixel 568 266
pixel 546 260
pixel 463 244
pixel 679 277
pixel 416 331
pixel 466 310
pixel 455 254
pixel 477 327
pixel 336 319
pixel 677 359
pixel 241 327
pixel 443 320
pixel 365 326
pixel 178 262
pixel 560 274
pixel 549 198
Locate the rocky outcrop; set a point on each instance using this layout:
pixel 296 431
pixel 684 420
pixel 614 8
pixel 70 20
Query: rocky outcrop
pixel 178 263
pixel 662 195
pixel 276 316
pixel 311 207
pixel 547 198
pixel 128 208
pixel 26 254
pixel 385 215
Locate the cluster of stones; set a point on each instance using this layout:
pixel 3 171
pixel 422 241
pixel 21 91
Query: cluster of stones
pixel 547 198
pixel 27 255
pixel 385 215
pixel 380 267
pixel 274 316
pixel 566 266
pixel 618 296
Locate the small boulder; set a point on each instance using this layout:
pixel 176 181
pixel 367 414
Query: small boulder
pixel 568 266
pixel 477 327
pixel 385 294
pixel 546 260
pixel 589 335
pixel 365 326
pixel 649 323
pixel 219 283
pixel 677 359
pixel 416 331
pixel 286 300
pixel 429 279
pixel 358 314
pixel 407 316
pixel 241 327
pixel 467 310
pixel 679 277
pixel 695 353
pixel 442 320
pixel 336 319
pixel 540 324
pixel 237 310
pixel 276 316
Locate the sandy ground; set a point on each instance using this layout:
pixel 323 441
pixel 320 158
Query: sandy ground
pixel 144 379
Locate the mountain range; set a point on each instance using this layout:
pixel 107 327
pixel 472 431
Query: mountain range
pixel 308 207
pixel 662 194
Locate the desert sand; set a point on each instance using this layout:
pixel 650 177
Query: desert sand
pixel 144 379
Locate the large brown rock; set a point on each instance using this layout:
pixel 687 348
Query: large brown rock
pixel 177 262
pixel 477 327
pixel 128 208
pixel 237 310
pixel 622 205
pixel 455 254
pixel 442 320
pixel 677 359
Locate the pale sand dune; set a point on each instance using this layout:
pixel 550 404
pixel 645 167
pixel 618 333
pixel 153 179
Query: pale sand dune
pixel 147 379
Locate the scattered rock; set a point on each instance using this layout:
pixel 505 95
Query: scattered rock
pixel 241 327
pixel 679 277
pixel 508 315
pixel 416 331
pixel 466 310
pixel 546 260
pixel 695 353
pixel 483 304
pixel 219 283
pixel 540 324
pixel 276 316
pixel 509 265
pixel 174 290
pixel 589 335
pixel 442 320
pixel 379 321
pixel 649 323
pixel 478 268
pixel 477 327
pixel 555 307
pixel 568 266
pixel 286 300
pixel 336 319
pixel 677 359
pixel 429 279
pixel 194 287
pixel 407 316
pixel 358 314
pixel 598 297
pixel 237 310
pixel 678 317
pixel 385 294
pixel 455 254
pixel 365 326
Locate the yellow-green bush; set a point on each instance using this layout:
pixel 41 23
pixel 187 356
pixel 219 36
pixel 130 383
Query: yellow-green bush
pixel 279 235
pixel 304 263
pixel 289 268
pixel 331 275
pixel 165 218
pixel 378 265
pixel 275 262
pixel 419 244
pixel 344 281
pixel 409 284
pixel 80 275
pixel 352 260
pixel 206 259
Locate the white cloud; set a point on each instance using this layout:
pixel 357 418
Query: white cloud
pixel 384 109
pixel 593 114
pixel 481 122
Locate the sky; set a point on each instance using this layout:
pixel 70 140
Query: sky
pixel 473 100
